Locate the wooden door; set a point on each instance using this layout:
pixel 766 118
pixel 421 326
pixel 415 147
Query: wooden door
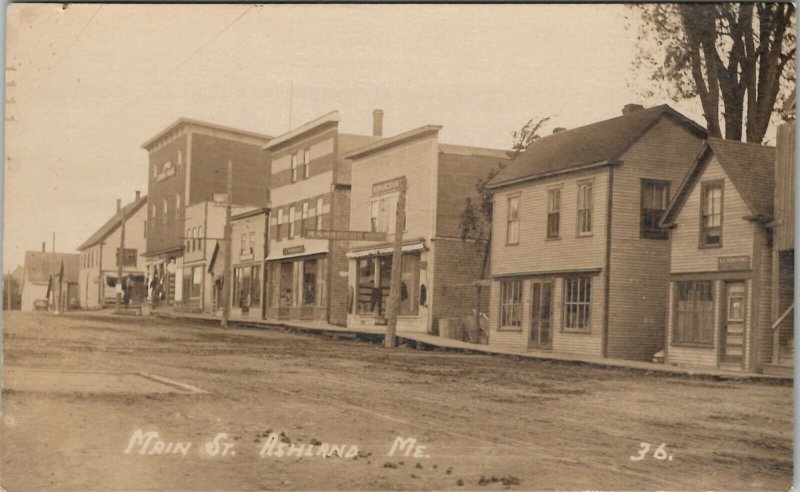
pixel 541 314
pixel 733 330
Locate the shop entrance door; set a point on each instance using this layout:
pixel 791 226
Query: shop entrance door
pixel 733 332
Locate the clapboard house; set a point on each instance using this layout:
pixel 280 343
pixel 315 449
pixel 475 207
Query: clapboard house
pixel 579 261
pixel 721 253
pixel 438 269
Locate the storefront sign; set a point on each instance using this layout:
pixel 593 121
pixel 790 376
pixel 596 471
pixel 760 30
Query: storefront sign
pixel 293 250
pixel 733 263
pixel 390 185
pixel 345 235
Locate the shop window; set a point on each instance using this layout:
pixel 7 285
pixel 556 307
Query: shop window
pixel 286 284
pixel 694 312
pixel 197 281
pixel 655 198
pixel 409 284
pixel 711 221
pixel 511 304
pixel 310 282
pixel 255 285
pixel 585 205
pixel 366 284
pixel 577 303
pixel 512 221
pixel 553 213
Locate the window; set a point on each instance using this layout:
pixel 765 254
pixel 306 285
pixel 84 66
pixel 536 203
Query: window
pixel 252 247
pixel 511 304
pixel 409 284
pixel 711 215
pixel 197 281
pixel 280 223
pixel 365 296
pixel 375 212
pixel 577 303
pixel 164 212
pixel 292 219
pixel 553 213
pixel 304 217
pixel 655 198
pixel 585 200
pixel 195 240
pixel 200 238
pixel 128 257
pixel 310 283
pixel 694 312
pixel 177 206
pixel 319 213
pixel 294 167
pixel 512 223
pixel 189 240
pixel 306 163
pixel 243 244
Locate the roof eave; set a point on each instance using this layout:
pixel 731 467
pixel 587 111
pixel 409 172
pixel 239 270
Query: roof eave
pixel 536 177
pixel 394 141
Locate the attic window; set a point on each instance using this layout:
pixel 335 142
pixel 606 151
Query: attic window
pixel 711 215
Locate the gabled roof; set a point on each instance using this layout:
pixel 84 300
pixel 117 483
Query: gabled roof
pixel 750 167
pixel 113 223
pixel 40 266
pixel 599 143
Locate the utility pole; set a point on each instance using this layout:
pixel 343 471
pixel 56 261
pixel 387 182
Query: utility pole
pixel 52 275
pixel 397 268
pixel 120 260
pixel 226 275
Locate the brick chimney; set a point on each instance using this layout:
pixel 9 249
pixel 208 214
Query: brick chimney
pixel 630 108
pixel 377 123
pixel 138 195
pixel 119 204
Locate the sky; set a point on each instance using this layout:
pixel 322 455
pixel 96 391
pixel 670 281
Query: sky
pixel 86 85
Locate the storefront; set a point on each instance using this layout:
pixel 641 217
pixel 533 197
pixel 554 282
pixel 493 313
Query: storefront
pixel 162 287
pixel 246 293
pixel 298 285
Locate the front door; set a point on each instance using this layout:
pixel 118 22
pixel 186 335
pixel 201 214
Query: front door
pixel 541 314
pixel 733 333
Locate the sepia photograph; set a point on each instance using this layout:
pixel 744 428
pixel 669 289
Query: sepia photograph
pixel 424 247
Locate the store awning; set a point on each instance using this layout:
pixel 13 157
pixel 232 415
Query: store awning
pixel 296 251
pixel 386 249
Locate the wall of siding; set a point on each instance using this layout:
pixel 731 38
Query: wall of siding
pixel 784 187
pixel 762 281
pixel 737 233
pixel 640 267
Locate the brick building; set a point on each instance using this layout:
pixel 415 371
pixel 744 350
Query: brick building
pixel 310 189
pixel 438 268
pixel 99 258
pixel 188 165
pixel 579 261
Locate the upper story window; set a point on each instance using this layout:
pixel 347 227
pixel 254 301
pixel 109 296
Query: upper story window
pixel 252 242
pixel 294 167
pixel 292 219
pixel 319 213
pixel 512 220
pixel 164 212
pixel 306 163
pixel 153 213
pixel 585 204
pixel 189 240
pixel 553 213
pixel 200 239
pixel 655 198
pixel 243 244
pixel 177 206
pixel 280 223
pixel 711 212
pixel 304 216
pixel 128 257
pixel 375 215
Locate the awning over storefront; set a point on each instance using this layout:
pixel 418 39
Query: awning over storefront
pixel 386 249
pixel 297 251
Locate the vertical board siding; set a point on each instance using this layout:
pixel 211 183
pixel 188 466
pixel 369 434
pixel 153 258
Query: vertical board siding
pixel 784 187
pixel 640 267
pixel 763 317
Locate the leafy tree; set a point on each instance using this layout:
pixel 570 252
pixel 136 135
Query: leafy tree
pixel 741 55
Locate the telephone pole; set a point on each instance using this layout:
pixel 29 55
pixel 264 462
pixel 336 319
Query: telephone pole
pixel 120 260
pixel 397 268
pixel 226 275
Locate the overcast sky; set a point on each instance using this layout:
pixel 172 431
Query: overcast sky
pixel 91 83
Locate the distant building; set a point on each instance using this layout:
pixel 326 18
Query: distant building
pixel 188 164
pixel 250 238
pixel 721 254
pixel 39 267
pixel 579 260
pixel 438 269
pixel 310 189
pixel 99 258
pixel 62 289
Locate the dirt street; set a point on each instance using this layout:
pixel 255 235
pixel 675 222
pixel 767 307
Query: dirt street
pixel 74 396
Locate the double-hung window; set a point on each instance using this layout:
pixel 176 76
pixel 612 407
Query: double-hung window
pixel 292 219
pixel 655 197
pixel 280 224
pixel 694 312
pixel 294 167
pixel 243 244
pixel 577 303
pixel 306 163
pixel 304 217
pixel 165 212
pixel 585 203
pixel 319 213
pixel 511 304
pixel 512 220
pixel 252 248
pixel 553 213
pixel 375 208
pixel 711 212
pixel 177 206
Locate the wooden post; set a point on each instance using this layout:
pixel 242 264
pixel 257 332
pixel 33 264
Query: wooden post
pixel 478 313
pixel 120 259
pixel 226 274
pixel 397 265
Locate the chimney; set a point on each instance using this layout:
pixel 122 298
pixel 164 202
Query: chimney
pixel 377 123
pixel 630 108
pixel 138 195
pixel 44 247
pixel 119 204
pixel 559 130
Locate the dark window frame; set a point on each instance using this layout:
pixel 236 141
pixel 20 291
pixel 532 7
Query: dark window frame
pixel 658 232
pixel 580 304
pixel 703 237
pixel 697 338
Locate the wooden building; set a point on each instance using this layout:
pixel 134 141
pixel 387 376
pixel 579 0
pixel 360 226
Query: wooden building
pixel 62 288
pixel 188 164
pixel 579 262
pixel 721 251
pixel 438 267
pixel 310 189
pixel 99 258
pixel 38 269
pixel 250 239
